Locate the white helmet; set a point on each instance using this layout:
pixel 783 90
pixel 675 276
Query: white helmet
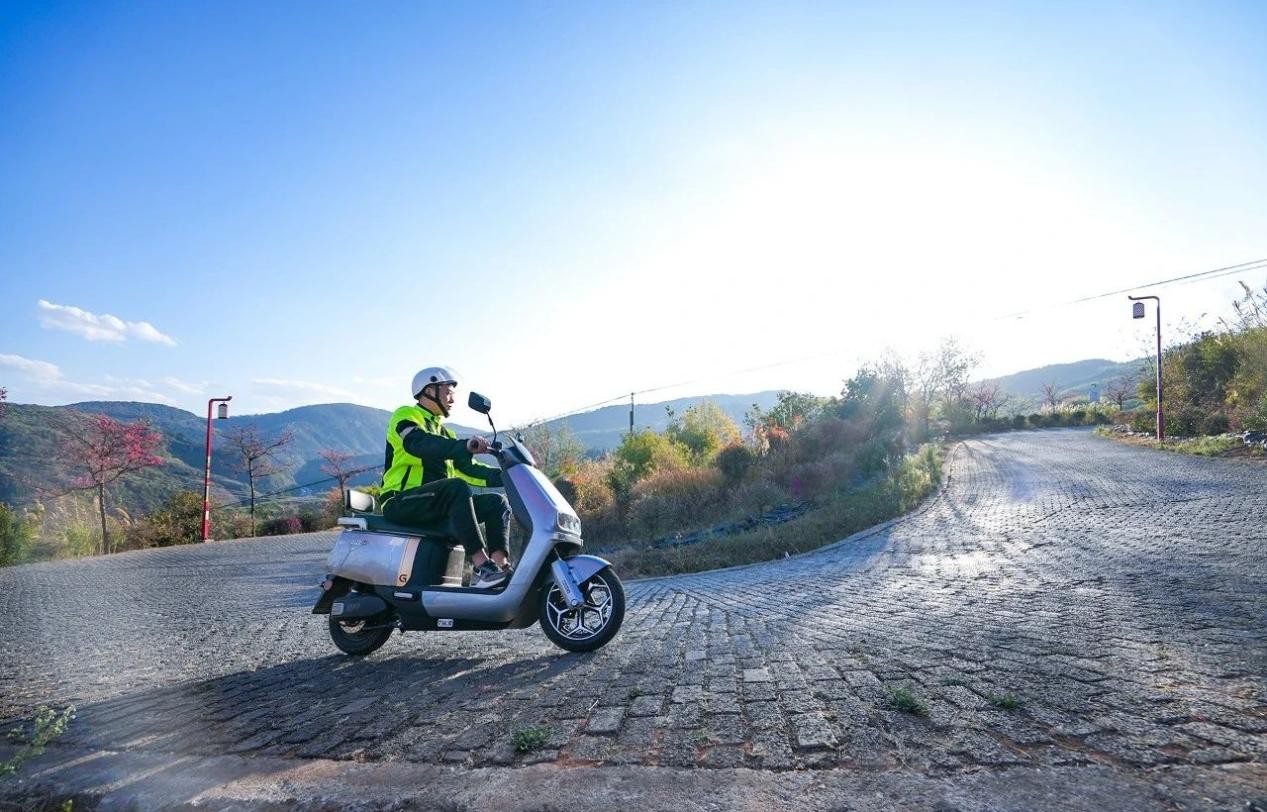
pixel 431 375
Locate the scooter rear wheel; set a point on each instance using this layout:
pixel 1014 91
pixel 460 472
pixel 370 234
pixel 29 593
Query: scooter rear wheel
pixel 592 624
pixel 352 637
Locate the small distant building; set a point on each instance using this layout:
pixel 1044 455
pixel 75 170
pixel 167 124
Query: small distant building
pixel 1094 394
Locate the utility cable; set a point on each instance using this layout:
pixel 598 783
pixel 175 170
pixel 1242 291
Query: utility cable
pixel 1214 273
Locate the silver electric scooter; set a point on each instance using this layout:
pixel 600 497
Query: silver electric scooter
pixel 383 577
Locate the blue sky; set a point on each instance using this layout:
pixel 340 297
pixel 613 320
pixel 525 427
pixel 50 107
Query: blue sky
pixel 300 203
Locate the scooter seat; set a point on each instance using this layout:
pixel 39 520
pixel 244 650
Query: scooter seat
pixel 378 524
pixel 362 506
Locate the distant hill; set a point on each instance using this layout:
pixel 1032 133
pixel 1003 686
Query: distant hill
pixel 1072 380
pixel 602 429
pixel 30 436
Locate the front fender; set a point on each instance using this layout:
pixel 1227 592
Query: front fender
pixel 583 567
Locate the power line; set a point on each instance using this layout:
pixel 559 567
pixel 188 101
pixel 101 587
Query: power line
pixel 1213 273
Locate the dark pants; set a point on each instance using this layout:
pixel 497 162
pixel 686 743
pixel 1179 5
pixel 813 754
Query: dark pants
pixel 448 505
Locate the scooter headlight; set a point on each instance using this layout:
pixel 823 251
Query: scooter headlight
pixel 569 524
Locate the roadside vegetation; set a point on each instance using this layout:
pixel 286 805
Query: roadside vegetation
pixel 708 493
pixel 1214 389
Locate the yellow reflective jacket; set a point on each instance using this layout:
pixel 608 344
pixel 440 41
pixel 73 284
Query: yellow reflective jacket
pixel 420 450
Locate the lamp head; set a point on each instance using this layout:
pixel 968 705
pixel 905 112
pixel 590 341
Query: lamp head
pixel 1137 310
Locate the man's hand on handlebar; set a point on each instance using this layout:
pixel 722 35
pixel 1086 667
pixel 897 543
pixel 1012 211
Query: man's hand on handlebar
pixel 478 445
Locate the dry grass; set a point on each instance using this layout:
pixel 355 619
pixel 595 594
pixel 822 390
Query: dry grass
pixel 838 517
pixel 1217 446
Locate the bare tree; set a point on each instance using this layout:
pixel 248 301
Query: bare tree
pixel 1051 394
pixel 101 449
pixel 4 396
pixel 986 399
pixel 1120 390
pixel 940 375
pixel 555 447
pixel 338 464
pixel 258 456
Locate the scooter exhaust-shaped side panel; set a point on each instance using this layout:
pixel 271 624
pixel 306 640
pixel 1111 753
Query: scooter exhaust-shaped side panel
pixel 373 558
pixel 357 606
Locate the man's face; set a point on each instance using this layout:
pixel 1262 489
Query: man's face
pixel 446 394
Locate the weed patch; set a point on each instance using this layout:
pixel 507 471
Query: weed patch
pixel 1004 701
pixel 47 725
pixel 901 699
pixel 528 739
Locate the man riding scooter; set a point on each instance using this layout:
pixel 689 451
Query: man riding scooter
pixel 428 473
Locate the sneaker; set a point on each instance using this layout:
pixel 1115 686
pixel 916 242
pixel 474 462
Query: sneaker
pixel 487 576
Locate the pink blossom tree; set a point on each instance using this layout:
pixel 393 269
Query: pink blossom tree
pixel 99 450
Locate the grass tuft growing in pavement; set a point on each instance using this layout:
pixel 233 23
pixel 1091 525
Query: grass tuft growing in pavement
pixel 903 700
pixel 528 739
pixel 1004 701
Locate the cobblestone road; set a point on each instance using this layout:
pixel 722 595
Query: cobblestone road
pixel 1118 595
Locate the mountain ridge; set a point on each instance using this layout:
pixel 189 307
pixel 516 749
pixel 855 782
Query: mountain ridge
pixel 28 434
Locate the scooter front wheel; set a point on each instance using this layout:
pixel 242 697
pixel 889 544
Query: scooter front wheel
pixel 592 624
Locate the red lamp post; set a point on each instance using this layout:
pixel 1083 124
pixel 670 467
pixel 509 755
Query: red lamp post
pixel 1137 311
pixel 223 412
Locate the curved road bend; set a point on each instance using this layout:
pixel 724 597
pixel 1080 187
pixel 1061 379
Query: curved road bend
pixel 1117 594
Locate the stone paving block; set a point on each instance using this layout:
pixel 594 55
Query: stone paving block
pixel 647 706
pixel 605 720
pixel 812 731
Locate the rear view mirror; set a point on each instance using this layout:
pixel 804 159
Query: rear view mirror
pixel 479 403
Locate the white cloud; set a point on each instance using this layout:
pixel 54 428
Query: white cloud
pixel 48 377
pixel 185 387
pixel 41 372
pixel 98 328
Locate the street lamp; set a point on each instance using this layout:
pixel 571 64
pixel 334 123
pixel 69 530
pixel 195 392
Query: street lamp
pixel 221 414
pixel 1137 312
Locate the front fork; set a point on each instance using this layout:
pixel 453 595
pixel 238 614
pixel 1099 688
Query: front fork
pixel 568 587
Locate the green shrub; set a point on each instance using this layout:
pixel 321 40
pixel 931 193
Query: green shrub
pixel 873 457
pixel 17 536
pixel 80 537
pixel 1216 423
pixel 734 461
pixel 177 521
pixel 703 430
pixel 639 455
pixel 1144 421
